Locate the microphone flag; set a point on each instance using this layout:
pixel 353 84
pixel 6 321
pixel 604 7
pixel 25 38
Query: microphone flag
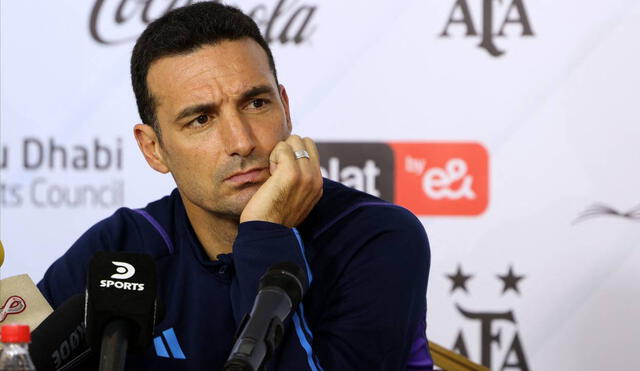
pixel 21 302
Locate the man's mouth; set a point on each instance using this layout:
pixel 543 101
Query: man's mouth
pixel 254 175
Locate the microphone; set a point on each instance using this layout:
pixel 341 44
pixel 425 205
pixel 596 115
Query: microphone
pixel 260 332
pixel 21 302
pixel 121 305
pixel 59 342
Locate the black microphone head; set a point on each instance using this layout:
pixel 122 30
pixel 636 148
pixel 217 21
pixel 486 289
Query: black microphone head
pixel 287 276
pixel 121 285
pixel 60 338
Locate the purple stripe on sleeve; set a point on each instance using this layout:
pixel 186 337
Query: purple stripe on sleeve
pixel 420 357
pixel 158 228
pixel 349 211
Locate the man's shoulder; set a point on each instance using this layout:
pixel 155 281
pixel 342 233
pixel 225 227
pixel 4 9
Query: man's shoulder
pixel 149 229
pixel 344 207
pixel 351 234
pixel 132 230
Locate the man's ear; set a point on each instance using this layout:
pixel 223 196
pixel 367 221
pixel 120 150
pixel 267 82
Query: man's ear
pixel 285 102
pixel 150 146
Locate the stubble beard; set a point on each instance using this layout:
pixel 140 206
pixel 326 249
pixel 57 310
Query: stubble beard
pixel 232 205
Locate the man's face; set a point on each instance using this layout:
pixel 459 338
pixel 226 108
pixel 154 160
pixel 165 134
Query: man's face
pixel 220 114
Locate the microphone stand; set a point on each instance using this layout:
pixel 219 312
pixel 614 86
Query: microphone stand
pixel 115 340
pixel 243 356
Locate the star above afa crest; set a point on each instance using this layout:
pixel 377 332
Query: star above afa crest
pixel 510 281
pixel 459 280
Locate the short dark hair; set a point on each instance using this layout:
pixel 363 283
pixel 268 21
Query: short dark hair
pixel 182 31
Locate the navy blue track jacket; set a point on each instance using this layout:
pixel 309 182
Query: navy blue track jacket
pixel 367 262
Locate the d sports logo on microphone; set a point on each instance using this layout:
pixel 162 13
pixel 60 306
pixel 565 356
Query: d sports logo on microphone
pixel 428 178
pixel 123 271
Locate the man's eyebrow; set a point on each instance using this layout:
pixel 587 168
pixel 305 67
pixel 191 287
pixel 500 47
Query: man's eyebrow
pixel 192 110
pixel 210 107
pixel 255 91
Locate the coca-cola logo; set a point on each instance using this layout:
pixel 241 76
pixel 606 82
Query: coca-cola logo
pixel 115 22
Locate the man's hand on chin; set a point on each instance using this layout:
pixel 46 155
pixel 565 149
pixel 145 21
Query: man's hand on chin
pixel 293 189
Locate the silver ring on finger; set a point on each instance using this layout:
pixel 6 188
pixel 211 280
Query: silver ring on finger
pixel 301 154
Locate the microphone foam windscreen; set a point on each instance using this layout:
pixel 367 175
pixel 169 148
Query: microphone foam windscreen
pixel 121 286
pixel 60 338
pixel 287 276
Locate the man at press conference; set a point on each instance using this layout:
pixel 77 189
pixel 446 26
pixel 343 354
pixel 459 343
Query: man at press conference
pixel 249 195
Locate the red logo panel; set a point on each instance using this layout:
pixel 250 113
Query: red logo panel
pixel 442 178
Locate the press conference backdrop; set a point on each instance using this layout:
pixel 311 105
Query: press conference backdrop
pixel 511 128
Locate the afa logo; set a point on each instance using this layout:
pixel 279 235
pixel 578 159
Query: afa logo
pixel 428 178
pixel 490 335
pixel 500 13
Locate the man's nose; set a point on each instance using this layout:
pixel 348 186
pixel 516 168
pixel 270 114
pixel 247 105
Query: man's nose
pixel 238 135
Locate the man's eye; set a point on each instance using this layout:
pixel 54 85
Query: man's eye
pixel 258 103
pixel 200 120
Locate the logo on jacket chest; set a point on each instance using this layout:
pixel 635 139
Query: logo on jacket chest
pixel 167 345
